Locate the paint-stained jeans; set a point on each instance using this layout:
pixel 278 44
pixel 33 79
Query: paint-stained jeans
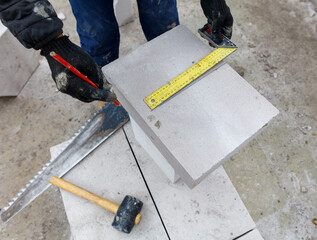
pixel 98 28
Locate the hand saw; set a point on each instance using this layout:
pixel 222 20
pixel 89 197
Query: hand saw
pixel 100 127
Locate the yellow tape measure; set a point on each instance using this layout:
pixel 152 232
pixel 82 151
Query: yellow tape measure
pixel 185 78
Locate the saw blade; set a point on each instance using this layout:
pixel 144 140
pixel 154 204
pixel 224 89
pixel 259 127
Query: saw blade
pixel 100 127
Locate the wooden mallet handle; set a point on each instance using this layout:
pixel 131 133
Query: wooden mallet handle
pixel 102 202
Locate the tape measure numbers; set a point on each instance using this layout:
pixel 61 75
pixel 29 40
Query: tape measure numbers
pixel 185 78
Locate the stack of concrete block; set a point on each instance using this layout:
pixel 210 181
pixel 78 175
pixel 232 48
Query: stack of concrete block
pixel 199 127
pixel 188 136
pixel 213 210
pixel 17 63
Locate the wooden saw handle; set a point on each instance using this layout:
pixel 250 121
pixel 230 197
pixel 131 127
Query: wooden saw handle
pixel 102 202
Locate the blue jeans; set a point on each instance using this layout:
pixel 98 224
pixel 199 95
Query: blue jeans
pixel 98 28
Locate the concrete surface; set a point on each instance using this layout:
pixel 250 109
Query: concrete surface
pixel 104 172
pixel 203 125
pixel 253 235
pixel 275 174
pixel 16 67
pixel 152 150
pixel 213 210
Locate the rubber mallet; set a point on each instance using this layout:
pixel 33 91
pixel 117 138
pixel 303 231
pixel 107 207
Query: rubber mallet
pixel 127 214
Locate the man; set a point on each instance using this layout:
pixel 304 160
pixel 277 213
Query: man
pixel 35 24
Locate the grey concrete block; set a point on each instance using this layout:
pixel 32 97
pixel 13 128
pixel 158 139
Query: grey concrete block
pixel 253 235
pixel 123 10
pixel 155 154
pixel 110 171
pixel 213 210
pixel 17 63
pixel 203 125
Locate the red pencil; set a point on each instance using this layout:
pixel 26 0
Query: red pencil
pixel 75 71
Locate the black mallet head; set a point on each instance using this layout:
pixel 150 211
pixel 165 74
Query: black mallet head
pixel 126 215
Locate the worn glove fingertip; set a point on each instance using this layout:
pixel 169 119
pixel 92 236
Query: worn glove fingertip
pixel 105 96
pixel 107 86
pixel 112 97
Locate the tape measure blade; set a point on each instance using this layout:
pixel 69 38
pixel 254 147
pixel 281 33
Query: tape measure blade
pixel 188 76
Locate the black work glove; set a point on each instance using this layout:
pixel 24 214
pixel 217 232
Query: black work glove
pixel 220 18
pixel 67 82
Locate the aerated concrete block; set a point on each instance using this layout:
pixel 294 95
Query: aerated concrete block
pixel 150 148
pixel 200 127
pixel 109 171
pixel 17 63
pixel 253 235
pixel 213 210
pixel 123 10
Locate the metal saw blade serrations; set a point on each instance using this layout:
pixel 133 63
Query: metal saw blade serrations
pixel 97 129
pixel 81 129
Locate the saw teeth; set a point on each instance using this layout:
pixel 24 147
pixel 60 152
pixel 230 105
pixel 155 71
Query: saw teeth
pixel 51 160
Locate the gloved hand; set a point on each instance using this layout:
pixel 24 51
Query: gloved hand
pixel 67 82
pixel 219 16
